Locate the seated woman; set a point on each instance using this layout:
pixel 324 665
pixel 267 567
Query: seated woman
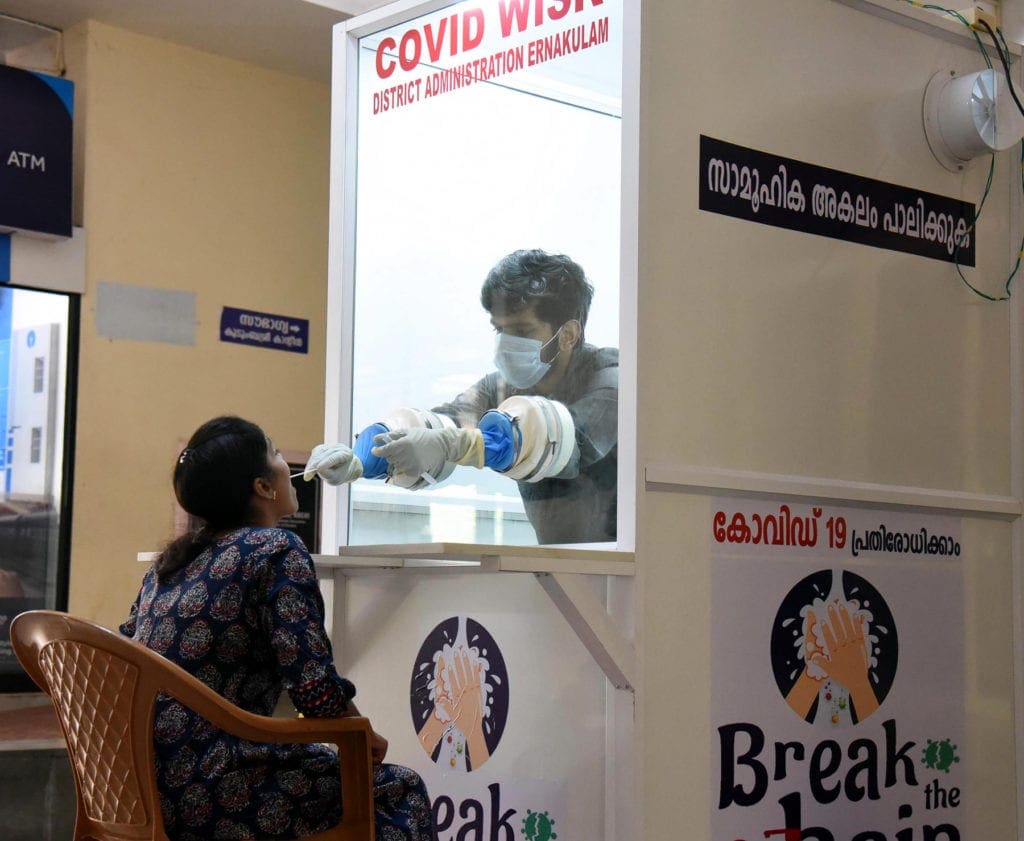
pixel 236 604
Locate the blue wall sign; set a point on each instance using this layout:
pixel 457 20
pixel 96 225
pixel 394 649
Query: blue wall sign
pixel 5 258
pixel 35 152
pixel 263 329
pixel 6 435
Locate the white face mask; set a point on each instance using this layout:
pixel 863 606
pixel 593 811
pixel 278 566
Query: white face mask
pixel 518 359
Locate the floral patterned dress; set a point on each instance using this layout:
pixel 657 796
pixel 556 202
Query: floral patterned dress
pixel 246 618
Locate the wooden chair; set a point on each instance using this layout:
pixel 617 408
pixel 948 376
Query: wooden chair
pixel 104 686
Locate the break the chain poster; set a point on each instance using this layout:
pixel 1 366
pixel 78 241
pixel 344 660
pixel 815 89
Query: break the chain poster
pixel 837 674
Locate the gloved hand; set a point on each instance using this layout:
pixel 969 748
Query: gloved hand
pixel 373 467
pixel 336 464
pixel 419 451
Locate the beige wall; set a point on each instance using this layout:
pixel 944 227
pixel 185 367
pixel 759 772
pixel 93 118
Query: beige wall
pixel 202 174
pixel 768 350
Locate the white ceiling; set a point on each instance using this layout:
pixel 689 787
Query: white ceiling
pixel 293 36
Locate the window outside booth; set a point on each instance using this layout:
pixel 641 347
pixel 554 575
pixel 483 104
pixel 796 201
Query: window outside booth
pixel 480 129
pixel 36 332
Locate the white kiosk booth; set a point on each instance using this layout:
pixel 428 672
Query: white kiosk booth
pixel 463 132
pixel 808 625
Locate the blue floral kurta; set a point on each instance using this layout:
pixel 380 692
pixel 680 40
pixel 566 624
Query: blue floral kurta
pixel 246 618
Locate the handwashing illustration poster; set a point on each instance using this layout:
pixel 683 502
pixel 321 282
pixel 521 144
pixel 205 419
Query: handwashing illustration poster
pixel 460 693
pixel 837 674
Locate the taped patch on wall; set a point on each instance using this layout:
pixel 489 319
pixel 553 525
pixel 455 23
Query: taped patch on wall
pixel 145 314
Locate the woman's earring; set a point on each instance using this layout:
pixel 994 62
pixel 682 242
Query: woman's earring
pixel 274 497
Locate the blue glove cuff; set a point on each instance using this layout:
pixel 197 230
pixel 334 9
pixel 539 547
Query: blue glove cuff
pixel 374 467
pixel 500 437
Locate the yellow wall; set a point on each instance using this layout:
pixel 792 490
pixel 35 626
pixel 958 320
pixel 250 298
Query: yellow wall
pixel 202 174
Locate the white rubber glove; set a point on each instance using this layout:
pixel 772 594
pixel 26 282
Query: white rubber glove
pixel 336 464
pixel 419 451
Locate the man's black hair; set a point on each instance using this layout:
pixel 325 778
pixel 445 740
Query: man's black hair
pixel 552 285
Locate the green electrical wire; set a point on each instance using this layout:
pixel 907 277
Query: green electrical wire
pixel 955 14
pixel 1006 48
pixel 970 228
pixel 992 162
pixel 1020 248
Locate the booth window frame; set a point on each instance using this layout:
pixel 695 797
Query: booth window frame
pixel 341 255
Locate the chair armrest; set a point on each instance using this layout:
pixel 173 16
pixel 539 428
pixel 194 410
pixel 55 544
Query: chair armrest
pixel 196 695
pixel 260 728
pixel 351 734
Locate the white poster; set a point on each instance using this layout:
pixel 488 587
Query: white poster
pixel 462 692
pixel 837 674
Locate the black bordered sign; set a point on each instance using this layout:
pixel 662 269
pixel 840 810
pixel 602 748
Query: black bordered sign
pixel 35 152
pixel 760 187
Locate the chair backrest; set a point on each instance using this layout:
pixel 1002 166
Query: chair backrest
pixel 104 702
pixel 104 687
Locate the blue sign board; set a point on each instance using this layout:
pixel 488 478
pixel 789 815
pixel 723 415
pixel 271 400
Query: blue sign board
pixel 6 436
pixel 5 258
pixel 264 329
pixel 35 152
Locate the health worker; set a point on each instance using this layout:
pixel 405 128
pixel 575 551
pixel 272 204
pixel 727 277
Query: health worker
pixel 547 417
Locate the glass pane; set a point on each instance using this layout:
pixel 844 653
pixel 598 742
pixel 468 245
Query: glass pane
pixel 33 382
pixel 481 131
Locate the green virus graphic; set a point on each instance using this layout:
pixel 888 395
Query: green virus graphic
pixel 537 826
pixel 939 755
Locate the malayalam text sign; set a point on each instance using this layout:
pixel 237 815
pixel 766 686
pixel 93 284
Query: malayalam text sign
pixel 786 193
pixel 264 329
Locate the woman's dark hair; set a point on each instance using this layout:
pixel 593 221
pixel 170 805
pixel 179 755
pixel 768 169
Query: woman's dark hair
pixel 553 285
pixel 213 482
